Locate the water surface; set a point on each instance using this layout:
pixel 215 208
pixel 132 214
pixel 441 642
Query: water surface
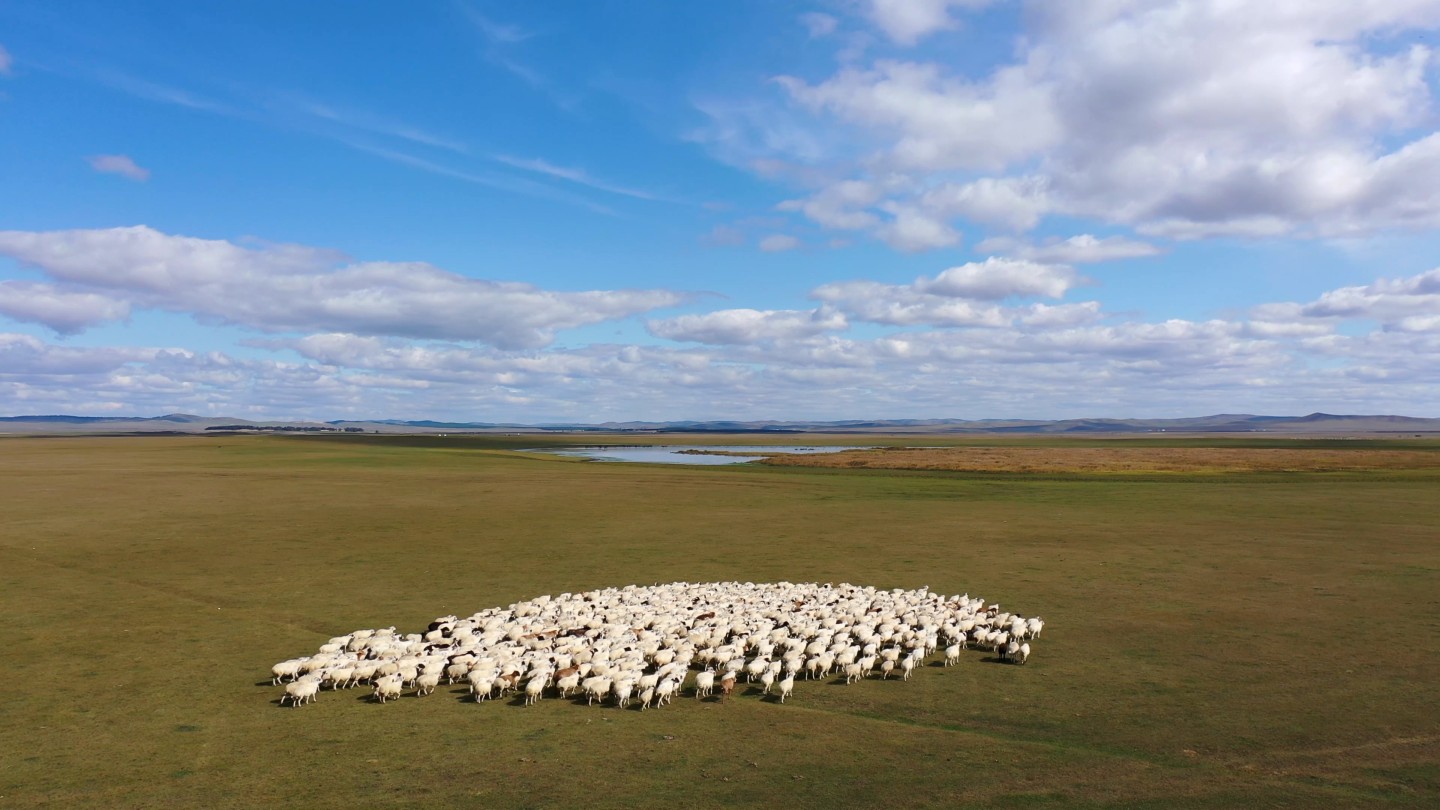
pixel 675 454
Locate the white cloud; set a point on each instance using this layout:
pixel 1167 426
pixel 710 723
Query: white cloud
pixel 283 288
pixel 1187 119
pixel 6 61
pixel 995 279
pixel 959 297
pixel 1059 316
pixel 1014 203
pixel 65 311
pixel 1386 300
pixel 905 305
pixel 22 355
pixel 756 134
pixel 1081 249
pixel 778 243
pixel 908 21
pixel 1418 323
pixel 818 25
pixel 911 230
pixel 840 205
pixel 118 164
pixel 940 122
pixel 744 326
pixel 988 360
pixel 1284 329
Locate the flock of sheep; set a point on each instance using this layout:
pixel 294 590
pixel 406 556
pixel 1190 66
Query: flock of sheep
pixel 640 643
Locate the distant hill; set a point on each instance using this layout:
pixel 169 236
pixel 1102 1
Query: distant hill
pixel 1315 423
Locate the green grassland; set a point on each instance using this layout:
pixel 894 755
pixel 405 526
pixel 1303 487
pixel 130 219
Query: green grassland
pixel 1211 641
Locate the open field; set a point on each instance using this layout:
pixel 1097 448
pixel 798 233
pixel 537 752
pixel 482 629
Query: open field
pixel 1212 640
pixel 1120 458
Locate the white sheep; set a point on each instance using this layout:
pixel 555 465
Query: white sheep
pixel 1009 651
pixel 646 639
pixel 287 670
pixel 302 690
pixel 705 684
pixel 426 682
pixel 907 666
pixel 623 689
pixel 534 689
pixel 568 684
pixel 767 680
pixel 596 688
pixel 387 688
pixel 665 691
pixel 786 687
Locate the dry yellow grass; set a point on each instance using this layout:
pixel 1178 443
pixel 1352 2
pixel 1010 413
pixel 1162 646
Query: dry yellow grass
pixel 1118 459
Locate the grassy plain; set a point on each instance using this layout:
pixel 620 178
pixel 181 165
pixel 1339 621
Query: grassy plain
pixel 1122 458
pixel 1218 640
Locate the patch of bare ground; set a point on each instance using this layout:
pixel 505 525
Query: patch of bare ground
pixel 1118 459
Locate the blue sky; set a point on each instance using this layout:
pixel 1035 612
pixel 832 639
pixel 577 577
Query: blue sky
pixel 618 210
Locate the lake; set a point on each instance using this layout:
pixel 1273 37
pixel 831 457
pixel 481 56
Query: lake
pixel 675 454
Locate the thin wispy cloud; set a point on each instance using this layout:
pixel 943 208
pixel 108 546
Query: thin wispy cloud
pixel 818 25
pixel 297 113
pixel 165 94
pixel 6 61
pixel 275 109
pixel 378 125
pixel 497 42
pixel 494 31
pixel 122 165
pixel 578 176
pixel 502 182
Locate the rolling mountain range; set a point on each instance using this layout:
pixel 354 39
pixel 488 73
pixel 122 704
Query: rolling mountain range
pixel 1218 423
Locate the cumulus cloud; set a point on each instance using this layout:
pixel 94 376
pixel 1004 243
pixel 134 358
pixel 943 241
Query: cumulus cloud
pixel 840 205
pixel 1035 358
pixel 938 121
pixel 957 297
pixel 292 288
pixel 907 21
pixel 119 164
pixel 905 305
pixel 1081 249
pixel 996 278
pixel 1386 300
pixel 911 229
pixel 1013 203
pixel 1047 316
pixel 1418 323
pixel 65 311
pixel 744 326
pixel 1187 119
pixel 23 355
